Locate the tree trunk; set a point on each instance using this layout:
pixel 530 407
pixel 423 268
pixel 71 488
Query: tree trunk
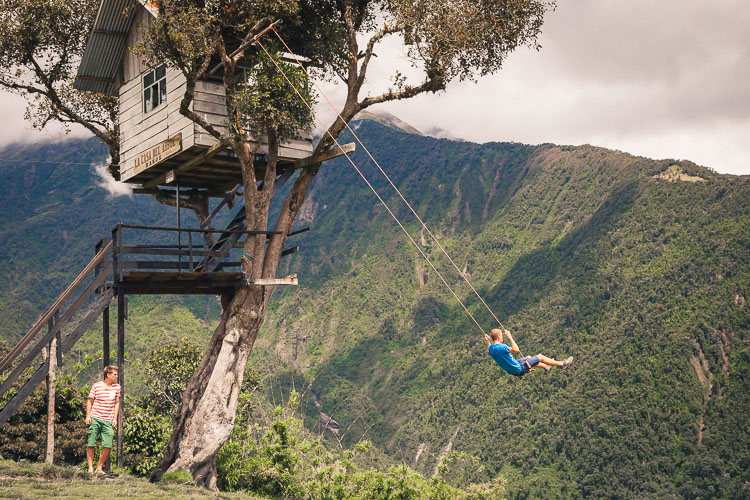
pixel 205 419
pixel 51 376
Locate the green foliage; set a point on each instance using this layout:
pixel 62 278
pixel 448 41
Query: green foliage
pixel 186 33
pixel 266 100
pixel 180 476
pixel 459 39
pixel 280 459
pixel 144 437
pixel 41 46
pixel 148 424
pixel 169 368
pixel 24 436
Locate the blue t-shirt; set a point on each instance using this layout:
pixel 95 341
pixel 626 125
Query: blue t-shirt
pixel 501 354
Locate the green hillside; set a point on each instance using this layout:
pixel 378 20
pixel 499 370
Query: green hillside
pixel 53 210
pixel 582 251
pixel 638 268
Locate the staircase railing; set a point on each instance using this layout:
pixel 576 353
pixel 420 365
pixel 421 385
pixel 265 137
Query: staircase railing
pixel 57 318
pixel 55 307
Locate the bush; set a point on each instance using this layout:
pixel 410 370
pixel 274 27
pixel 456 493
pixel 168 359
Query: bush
pixel 281 459
pixel 144 437
pixel 24 436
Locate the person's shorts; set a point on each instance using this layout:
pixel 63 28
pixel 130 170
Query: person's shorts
pixel 526 362
pixel 101 428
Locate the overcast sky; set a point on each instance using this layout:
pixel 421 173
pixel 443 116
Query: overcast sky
pixel 658 78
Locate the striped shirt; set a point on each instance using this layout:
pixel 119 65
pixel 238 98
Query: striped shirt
pixel 105 397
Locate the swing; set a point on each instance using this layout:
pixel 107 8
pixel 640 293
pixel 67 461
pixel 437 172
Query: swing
pixel 388 209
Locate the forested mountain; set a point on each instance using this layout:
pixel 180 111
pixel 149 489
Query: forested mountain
pixel 637 268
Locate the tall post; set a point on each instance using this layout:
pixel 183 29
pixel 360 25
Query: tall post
pixel 105 330
pixel 51 376
pixel 120 368
pixel 105 360
pixel 179 233
pixel 105 337
pixel 105 313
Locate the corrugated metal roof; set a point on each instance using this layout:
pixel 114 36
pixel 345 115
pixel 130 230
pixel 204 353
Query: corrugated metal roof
pixel 105 47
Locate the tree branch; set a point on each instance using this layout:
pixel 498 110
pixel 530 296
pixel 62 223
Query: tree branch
pixel 408 92
pixel 387 30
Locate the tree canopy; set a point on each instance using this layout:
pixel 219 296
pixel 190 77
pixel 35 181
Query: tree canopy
pixel 41 45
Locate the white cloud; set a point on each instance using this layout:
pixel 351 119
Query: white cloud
pixel 113 187
pixel 658 79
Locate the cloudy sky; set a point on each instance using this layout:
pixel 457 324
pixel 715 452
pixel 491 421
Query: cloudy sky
pixel 658 78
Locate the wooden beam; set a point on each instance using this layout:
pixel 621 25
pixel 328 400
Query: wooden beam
pixel 290 251
pixel 229 197
pixel 164 264
pixel 120 369
pixel 328 155
pixel 132 250
pixel 298 231
pixel 216 193
pixel 286 280
pixel 212 151
pixel 98 258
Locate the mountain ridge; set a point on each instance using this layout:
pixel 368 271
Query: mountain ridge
pixel 579 250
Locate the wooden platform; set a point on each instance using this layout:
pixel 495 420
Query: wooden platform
pixel 216 169
pixel 218 172
pixel 182 283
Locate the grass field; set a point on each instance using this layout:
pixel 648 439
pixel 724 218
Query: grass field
pixel 25 480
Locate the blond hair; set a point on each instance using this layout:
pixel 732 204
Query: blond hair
pixel 108 369
pixel 496 334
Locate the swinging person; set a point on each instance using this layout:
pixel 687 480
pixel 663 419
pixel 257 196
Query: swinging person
pixel 501 353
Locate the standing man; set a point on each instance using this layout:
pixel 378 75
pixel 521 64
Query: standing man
pixel 101 414
pixel 501 353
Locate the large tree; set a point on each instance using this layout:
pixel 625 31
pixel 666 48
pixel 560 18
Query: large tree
pixel 41 44
pixel 446 39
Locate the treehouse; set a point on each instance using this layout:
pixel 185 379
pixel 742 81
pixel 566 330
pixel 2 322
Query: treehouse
pixel 158 144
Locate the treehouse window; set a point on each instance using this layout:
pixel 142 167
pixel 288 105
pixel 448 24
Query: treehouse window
pixel 243 75
pixel 154 88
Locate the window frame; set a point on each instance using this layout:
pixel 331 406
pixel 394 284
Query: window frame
pixel 154 88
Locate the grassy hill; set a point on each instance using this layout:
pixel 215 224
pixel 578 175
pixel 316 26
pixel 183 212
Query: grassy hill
pixel 638 268
pixel 53 210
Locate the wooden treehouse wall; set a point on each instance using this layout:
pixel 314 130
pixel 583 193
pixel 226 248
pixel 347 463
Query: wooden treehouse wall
pixel 140 132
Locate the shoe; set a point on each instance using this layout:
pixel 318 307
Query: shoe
pixel 567 361
pixel 110 475
pixel 546 368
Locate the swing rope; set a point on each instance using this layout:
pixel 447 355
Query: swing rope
pixel 356 137
pixel 370 186
pixel 346 124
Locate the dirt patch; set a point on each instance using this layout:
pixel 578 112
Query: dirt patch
pixel 674 173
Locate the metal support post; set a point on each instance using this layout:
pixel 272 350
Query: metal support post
pixel 120 369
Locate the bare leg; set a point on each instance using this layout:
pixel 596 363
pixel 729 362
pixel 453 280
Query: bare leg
pixel 548 361
pixel 90 458
pixel 544 365
pixel 103 456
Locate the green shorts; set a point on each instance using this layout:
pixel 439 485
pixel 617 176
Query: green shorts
pixel 100 427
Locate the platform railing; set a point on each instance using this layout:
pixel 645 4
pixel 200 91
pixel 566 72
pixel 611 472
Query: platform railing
pixel 164 256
